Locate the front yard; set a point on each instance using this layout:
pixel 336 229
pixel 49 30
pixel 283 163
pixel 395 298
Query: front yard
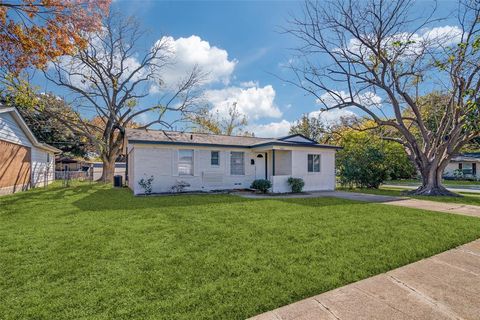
pixel 93 252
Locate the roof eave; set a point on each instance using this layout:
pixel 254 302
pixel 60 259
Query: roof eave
pixel 306 145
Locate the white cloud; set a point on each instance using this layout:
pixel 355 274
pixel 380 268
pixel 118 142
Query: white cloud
pixel 331 117
pixel 249 84
pixel 191 52
pixel 253 102
pixel 270 130
pixel 368 99
pixel 433 38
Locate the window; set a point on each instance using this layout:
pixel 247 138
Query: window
pixel 215 158
pixel 237 163
pixel 313 163
pixel 460 166
pixel 48 158
pixel 185 162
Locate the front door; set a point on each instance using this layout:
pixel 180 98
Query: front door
pixel 474 169
pixel 260 166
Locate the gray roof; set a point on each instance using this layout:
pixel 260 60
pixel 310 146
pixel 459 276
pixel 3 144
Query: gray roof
pixel 193 138
pixel 472 156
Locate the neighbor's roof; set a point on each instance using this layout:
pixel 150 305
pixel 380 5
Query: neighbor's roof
pixel 206 139
pixel 23 125
pixel 472 156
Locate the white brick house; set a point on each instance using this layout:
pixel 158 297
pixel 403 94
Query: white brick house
pixel 217 162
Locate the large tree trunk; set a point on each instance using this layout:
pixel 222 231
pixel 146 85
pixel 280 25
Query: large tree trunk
pixel 108 169
pixel 432 182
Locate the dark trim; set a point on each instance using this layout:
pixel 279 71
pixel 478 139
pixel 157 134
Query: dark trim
pixel 299 144
pixel 273 162
pixel 266 165
pixel 288 144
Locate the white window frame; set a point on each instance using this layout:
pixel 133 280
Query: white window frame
pixel 181 162
pixel 218 158
pixel 242 160
pixel 314 155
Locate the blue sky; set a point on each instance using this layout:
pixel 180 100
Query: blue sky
pixel 243 44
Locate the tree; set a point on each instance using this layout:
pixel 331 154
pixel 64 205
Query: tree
pixel 49 129
pixel 34 32
pixel 110 77
pixel 233 123
pixel 361 163
pixel 311 127
pixel 381 53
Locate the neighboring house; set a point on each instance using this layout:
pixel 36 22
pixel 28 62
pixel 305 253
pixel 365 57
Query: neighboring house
pixel 24 161
pixel 217 162
pixel 465 164
pixel 120 168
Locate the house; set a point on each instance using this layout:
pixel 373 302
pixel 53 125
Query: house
pixel 97 167
pixel 465 165
pixel 24 161
pixel 217 162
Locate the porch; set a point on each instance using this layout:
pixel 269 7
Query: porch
pixel 275 165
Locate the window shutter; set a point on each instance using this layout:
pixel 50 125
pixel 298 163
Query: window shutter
pixel 175 162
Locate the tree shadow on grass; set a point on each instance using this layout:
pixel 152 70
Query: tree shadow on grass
pixel 123 199
pixel 321 201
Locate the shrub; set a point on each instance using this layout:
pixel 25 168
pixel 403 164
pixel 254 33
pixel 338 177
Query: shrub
pixel 296 184
pixel 261 184
pixel 146 185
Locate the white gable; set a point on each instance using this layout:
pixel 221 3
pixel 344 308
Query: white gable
pixel 11 131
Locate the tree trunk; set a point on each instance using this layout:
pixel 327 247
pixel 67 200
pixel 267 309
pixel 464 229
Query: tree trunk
pixel 108 169
pixel 432 182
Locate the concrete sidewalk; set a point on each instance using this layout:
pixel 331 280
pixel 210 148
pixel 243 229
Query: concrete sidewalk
pixel 445 286
pixel 472 189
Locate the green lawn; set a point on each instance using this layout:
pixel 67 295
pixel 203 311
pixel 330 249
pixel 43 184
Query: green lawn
pixel 92 252
pixel 467 198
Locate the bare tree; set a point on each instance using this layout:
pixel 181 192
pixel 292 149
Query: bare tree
pixel 384 58
pixel 107 80
pixel 233 123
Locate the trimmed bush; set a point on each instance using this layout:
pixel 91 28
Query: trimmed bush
pixel 261 184
pixel 296 184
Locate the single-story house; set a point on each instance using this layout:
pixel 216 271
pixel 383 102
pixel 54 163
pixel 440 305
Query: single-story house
pixel 466 165
pixel 24 161
pixel 217 162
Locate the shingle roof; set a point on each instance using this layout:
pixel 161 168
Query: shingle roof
pixel 177 137
pixel 190 137
pixel 472 156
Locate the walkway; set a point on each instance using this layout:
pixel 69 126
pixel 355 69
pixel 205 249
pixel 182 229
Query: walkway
pixel 456 208
pixel 445 286
pixel 468 189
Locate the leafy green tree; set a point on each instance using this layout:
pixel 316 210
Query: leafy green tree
pixel 366 160
pixel 311 127
pixel 49 129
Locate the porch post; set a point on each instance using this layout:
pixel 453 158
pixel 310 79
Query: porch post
pixel 273 162
pixel 266 165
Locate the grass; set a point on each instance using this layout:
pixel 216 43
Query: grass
pixel 92 252
pixel 448 183
pixel 467 198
